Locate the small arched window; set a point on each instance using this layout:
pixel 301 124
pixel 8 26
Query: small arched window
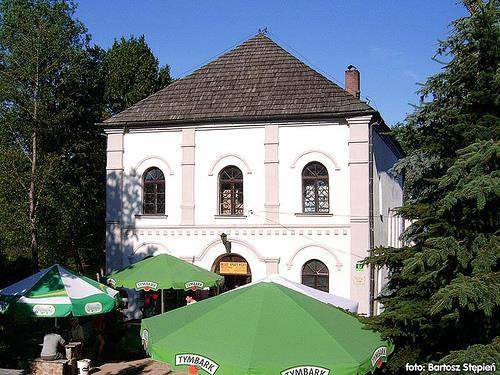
pixel 315 274
pixel 153 192
pixel 231 191
pixel 315 189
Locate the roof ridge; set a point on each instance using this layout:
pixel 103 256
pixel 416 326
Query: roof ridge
pixel 255 78
pixel 220 56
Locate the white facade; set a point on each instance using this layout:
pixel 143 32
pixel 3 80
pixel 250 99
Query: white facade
pixel 273 235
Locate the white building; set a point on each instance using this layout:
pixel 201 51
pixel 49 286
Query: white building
pixel 260 147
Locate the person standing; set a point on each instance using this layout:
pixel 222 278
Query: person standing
pixel 151 304
pixel 190 299
pixel 98 326
pixel 76 331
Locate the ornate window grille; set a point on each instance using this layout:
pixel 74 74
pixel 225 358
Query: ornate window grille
pixel 231 191
pixel 153 192
pixel 316 275
pixel 315 188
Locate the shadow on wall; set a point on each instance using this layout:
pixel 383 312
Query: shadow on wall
pixel 123 202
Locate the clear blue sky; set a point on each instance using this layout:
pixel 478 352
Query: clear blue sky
pixel 391 42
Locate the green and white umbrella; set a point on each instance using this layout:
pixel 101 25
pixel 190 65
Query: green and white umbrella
pixel 57 292
pixel 263 329
pixel 164 272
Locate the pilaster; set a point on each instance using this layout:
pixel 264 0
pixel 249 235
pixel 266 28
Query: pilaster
pixel 187 166
pixel 272 266
pixel 271 165
pixel 114 199
pixel 359 128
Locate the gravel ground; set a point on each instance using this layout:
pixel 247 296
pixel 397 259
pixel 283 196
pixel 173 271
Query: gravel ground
pixel 141 366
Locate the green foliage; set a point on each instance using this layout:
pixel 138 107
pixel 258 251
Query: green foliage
pixel 474 354
pixel 444 290
pixel 74 208
pixel 443 294
pixel 51 90
pixel 54 87
pixel 464 103
pixel 39 42
pixel 132 73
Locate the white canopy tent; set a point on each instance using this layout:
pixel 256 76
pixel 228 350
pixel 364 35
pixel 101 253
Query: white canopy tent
pixel 343 303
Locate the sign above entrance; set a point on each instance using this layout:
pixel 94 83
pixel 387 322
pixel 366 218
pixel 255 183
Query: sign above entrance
pixel 233 268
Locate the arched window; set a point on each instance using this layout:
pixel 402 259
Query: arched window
pixel 315 274
pixel 231 191
pixel 315 192
pixel 153 192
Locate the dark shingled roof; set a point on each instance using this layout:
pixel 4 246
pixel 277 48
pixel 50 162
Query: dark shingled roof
pixel 256 80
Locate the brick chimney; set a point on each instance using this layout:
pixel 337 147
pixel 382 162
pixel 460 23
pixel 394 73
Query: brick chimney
pixel 352 81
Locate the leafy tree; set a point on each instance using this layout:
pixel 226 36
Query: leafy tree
pixel 443 294
pixel 51 90
pixel 38 42
pixel 74 212
pixel 132 73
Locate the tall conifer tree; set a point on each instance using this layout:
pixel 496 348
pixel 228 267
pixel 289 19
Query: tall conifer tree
pixel 443 293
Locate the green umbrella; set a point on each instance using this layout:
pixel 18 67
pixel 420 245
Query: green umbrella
pixel 163 272
pixel 57 292
pixel 263 329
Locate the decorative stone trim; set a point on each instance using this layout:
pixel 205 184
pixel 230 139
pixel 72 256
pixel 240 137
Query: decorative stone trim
pixel 337 168
pixel 361 140
pixel 139 166
pixel 205 229
pixel 315 214
pixel 160 249
pixel 149 216
pixel 339 264
pixel 359 219
pixel 230 216
pixel 250 247
pixel 211 171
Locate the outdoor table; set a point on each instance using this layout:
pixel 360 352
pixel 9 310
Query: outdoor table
pixel 73 354
pixel 73 350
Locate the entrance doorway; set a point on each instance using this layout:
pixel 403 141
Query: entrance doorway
pixel 235 269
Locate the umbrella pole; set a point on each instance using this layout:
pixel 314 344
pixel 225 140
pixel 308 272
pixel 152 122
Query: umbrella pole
pixel 55 322
pixel 161 301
